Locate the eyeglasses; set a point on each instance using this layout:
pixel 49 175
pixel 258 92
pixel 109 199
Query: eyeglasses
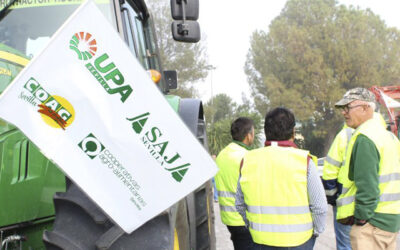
pixel 347 108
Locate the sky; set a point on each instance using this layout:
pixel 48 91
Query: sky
pixel 227 25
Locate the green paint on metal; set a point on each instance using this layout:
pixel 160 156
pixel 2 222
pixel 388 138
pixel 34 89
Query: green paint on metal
pixel 174 101
pixel 11 63
pixel 27 179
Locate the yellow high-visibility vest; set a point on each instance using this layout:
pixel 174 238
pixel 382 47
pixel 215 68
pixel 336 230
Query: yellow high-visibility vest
pixel 336 155
pixel 388 147
pixel 335 160
pixel 274 184
pixel 226 180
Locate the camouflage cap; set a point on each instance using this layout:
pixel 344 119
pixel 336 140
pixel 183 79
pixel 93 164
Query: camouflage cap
pixel 361 94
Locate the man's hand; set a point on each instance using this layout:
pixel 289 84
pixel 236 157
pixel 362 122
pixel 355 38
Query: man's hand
pixel 347 221
pixel 360 222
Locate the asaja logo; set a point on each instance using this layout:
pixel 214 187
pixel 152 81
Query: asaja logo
pixel 102 69
pixel 91 146
pixel 158 147
pixel 55 110
pixel 84 45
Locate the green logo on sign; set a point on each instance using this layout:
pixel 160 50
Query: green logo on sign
pixel 84 45
pixel 158 147
pixel 138 122
pixel 91 146
pixel 101 67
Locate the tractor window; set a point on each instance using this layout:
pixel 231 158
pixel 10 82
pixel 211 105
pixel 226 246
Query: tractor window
pixel 151 41
pixel 141 38
pixel 135 34
pixel 24 28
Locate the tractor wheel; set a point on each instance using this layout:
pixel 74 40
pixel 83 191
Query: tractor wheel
pixel 205 229
pixel 80 224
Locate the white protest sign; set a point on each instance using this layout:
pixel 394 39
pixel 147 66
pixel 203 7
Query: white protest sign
pixel 88 104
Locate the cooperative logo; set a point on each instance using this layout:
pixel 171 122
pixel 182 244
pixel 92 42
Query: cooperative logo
pixel 84 45
pixel 101 67
pixel 91 146
pixel 55 110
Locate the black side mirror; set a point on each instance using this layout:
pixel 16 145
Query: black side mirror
pixel 171 79
pixel 188 31
pixel 185 9
pixel 185 29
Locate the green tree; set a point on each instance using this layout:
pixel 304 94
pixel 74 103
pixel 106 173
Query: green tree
pixel 220 112
pixel 219 107
pixel 190 60
pixel 314 51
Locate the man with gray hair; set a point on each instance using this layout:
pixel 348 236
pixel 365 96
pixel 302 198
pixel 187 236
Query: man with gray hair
pixel 370 198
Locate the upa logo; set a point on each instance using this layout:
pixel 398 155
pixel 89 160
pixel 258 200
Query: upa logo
pixel 91 146
pixel 84 45
pixel 55 110
pixel 100 66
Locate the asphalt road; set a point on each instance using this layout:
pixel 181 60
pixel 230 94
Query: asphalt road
pixel 325 241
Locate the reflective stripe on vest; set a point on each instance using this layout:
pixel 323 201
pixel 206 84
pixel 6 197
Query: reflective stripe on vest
pixel 276 228
pixel 382 198
pixel 227 208
pixel 382 179
pixel 226 180
pixel 389 171
pixel 226 194
pixel 281 218
pixel 278 210
pixel 333 162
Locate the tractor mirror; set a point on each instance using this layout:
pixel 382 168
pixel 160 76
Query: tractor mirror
pixel 185 8
pixel 188 31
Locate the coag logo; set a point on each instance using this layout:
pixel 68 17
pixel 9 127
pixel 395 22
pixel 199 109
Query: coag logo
pixel 91 146
pixel 55 110
pixel 100 66
pixel 84 45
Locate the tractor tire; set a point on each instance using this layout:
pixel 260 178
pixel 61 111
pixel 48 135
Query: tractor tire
pixel 205 218
pixel 81 225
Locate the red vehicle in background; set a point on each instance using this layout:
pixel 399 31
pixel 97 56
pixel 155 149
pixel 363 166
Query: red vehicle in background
pixel 388 98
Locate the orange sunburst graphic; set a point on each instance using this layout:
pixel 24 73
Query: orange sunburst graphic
pixel 57 112
pixel 84 45
pixel 52 114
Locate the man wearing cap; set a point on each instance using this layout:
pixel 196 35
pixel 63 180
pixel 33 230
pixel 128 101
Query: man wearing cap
pixel 333 165
pixel 370 178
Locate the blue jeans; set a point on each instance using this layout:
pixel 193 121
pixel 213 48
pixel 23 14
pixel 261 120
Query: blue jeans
pixel 308 245
pixel 215 190
pixel 342 233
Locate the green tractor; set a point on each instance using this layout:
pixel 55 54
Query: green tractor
pixel 42 209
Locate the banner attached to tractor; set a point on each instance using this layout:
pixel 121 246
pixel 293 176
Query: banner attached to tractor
pixel 88 104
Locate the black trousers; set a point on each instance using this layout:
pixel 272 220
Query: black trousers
pixel 241 237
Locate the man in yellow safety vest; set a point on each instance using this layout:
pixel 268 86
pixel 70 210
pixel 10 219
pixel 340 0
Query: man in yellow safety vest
pixel 370 178
pixel 333 165
pixel 279 195
pixel 228 161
